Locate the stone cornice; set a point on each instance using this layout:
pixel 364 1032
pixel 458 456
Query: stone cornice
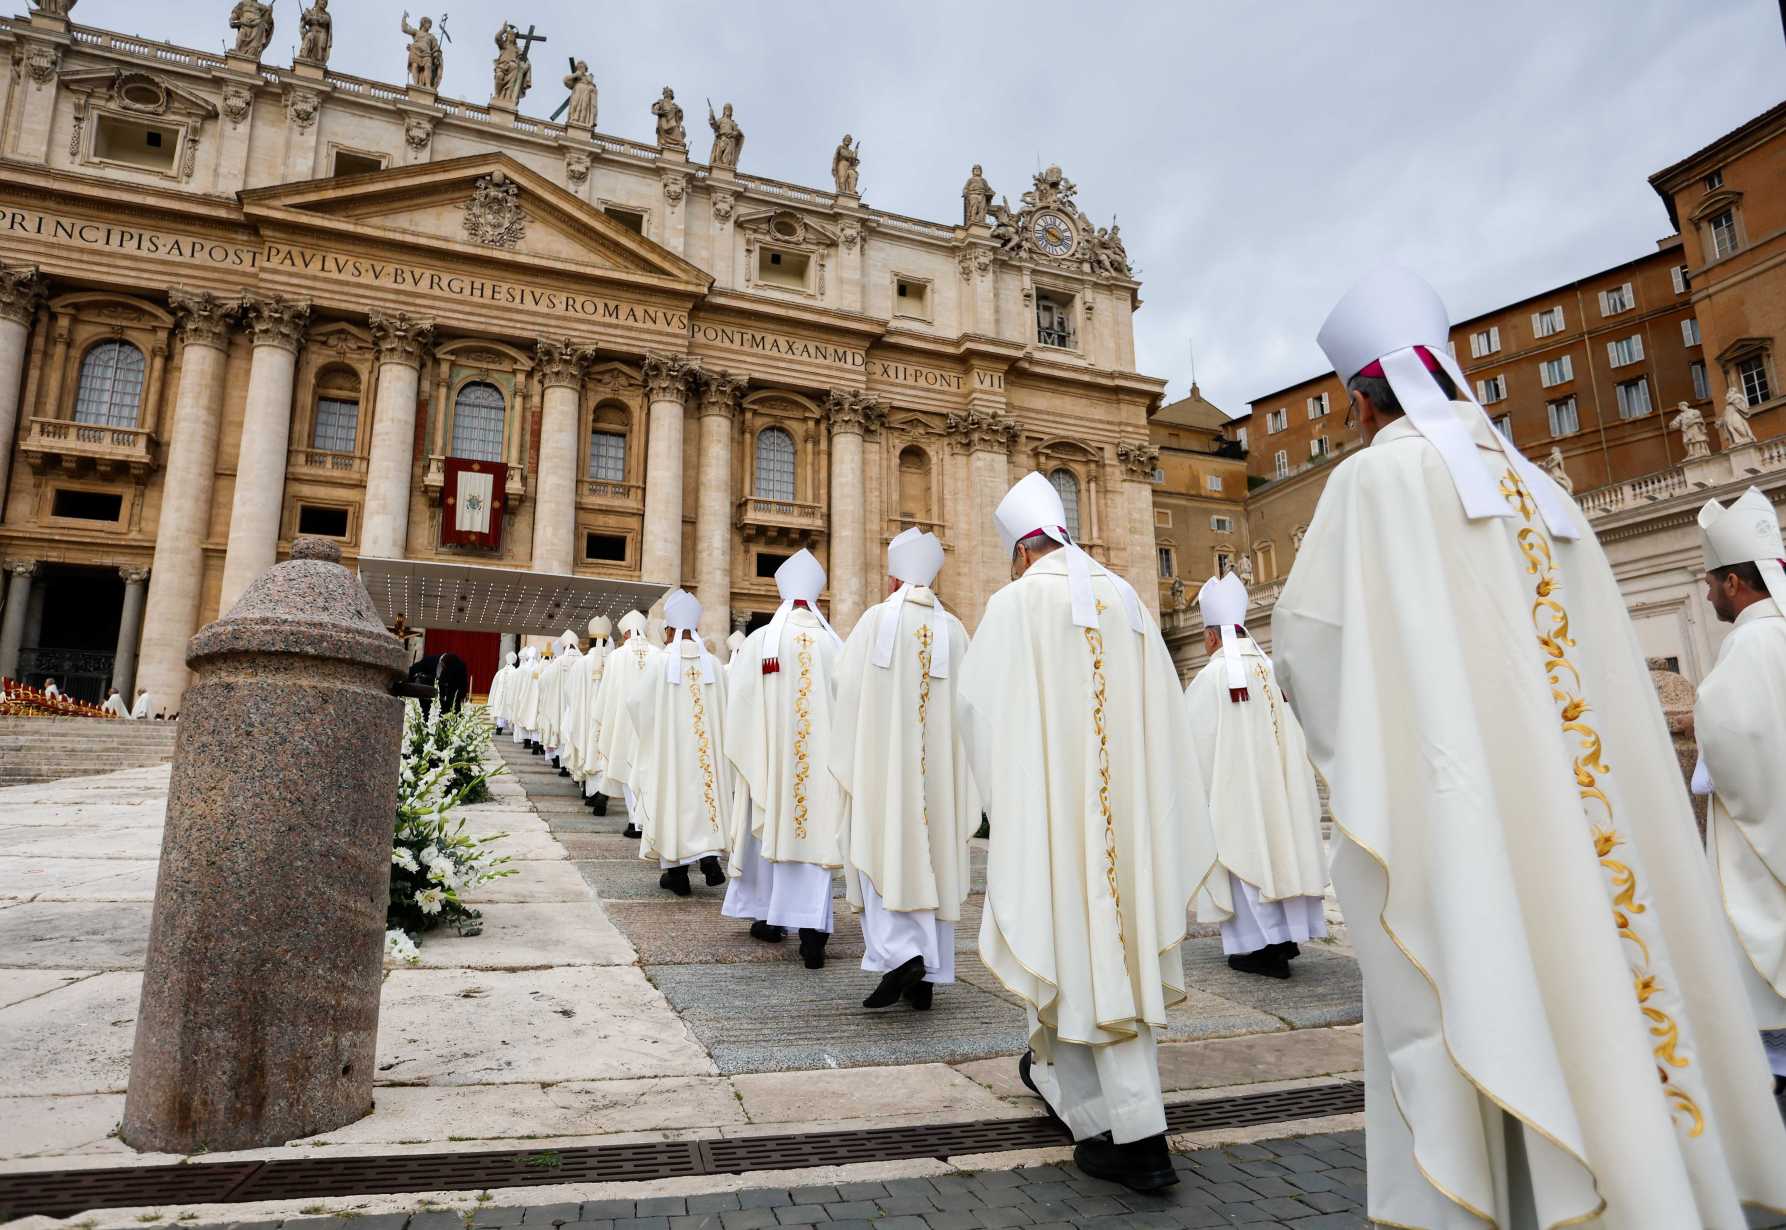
pixel 400 337
pixel 204 318
pixel 561 364
pixel 276 321
pixel 670 377
pixel 22 291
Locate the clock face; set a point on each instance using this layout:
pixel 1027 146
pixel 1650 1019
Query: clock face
pixel 1052 233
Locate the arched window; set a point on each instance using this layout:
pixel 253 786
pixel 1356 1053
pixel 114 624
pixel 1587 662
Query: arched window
pixel 110 393
pixel 336 425
pixel 914 484
pixel 1067 486
pixel 607 446
pixel 775 465
pixel 477 422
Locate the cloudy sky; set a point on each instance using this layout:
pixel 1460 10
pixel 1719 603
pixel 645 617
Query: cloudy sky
pixel 1260 156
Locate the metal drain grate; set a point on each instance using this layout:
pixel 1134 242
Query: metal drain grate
pixel 62 1193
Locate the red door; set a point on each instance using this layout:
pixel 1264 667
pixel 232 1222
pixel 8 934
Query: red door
pixel 479 651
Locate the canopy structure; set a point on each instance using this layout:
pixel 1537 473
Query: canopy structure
pixel 479 598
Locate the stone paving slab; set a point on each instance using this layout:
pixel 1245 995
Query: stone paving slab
pixel 19 985
pixel 61 1126
pixel 46 876
pixel 1324 987
pixel 928 1091
pixel 635 879
pixel 81 840
pixel 75 934
pixel 23 813
pixel 692 931
pixel 535 880
pixel 530 935
pixel 73 1040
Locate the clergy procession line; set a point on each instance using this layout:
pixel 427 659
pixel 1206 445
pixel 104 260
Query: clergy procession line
pixel 1561 1022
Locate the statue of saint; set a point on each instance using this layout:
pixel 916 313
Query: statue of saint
pixel 976 195
pixel 514 72
pixel 1006 231
pixel 316 32
pixel 253 23
pixel 1244 566
pixel 54 8
pixel 728 138
pixel 670 132
pixel 424 53
pixel 582 87
pixel 846 166
pixel 1691 424
pixel 1553 466
pixel 1734 422
pixel 1113 248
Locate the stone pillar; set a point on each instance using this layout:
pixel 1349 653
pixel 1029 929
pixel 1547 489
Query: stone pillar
pixel 21 291
pixel 266 439
pixel 130 627
pixel 560 365
pixel 177 576
pixel 669 382
pixel 850 414
pixel 987 436
pixel 384 522
pixel 230 1054
pixel 1138 460
pixel 713 510
pixel 12 621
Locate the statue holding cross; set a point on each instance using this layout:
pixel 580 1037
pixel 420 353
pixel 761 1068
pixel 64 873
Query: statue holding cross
pixel 513 70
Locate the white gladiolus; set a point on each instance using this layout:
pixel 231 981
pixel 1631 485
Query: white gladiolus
pixel 429 900
pixel 399 947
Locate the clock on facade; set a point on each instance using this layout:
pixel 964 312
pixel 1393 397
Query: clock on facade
pixel 1052 233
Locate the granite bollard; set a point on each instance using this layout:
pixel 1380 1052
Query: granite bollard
pixel 259 1012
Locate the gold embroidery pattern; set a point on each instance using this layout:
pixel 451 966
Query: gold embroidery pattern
pixel 924 651
pixel 1550 620
pixel 703 750
pixel 1264 678
pixel 802 730
pixel 1094 640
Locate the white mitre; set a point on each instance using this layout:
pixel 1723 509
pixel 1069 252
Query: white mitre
pixel 511 659
pixel 1381 320
pixel 1033 506
pixel 600 628
pixel 567 640
pixel 682 615
pixel 632 624
pixel 801 578
pixel 1222 601
pixel 913 559
pixel 1746 532
pixel 734 642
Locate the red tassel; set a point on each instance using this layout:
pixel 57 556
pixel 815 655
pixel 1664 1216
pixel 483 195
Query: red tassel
pixel 771 666
pixel 1236 695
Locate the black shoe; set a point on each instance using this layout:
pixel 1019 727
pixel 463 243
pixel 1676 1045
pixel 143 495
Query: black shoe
pixel 599 804
pixel 676 880
pixel 812 947
pixel 632 830
pixel 919 995
pixel 563 772
pixel 714 874
pixel 538 750
pixel 895 983
pixel 1263 962
pixel 769 933
pixel 1140 1165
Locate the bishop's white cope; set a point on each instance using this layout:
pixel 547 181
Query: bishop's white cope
pixel 527 697
pixel 551 707
pixel 582 689
pixel 1740 719
pixel 618 740
pixel 909 799
pixel 496 701
pixel 1083 758
pixel 679 775
pixel 1537 929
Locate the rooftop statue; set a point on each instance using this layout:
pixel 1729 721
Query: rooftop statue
pixel 424 53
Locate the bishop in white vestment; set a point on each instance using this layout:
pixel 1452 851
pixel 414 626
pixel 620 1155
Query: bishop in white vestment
pixel 679 776
pixel 785 836
pixel 497 699
pixel 1555 1028
pixel 909 798
pixel 616 740
pixel 527 699
pixel 552 681
pixel 1263 804
pixel 1740 721
pixel 140 710
pixel 582 714
pixel 1074 722
pixel 114 705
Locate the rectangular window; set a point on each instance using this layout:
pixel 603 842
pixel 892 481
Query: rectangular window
pixel 1618 299
pixel 1221 524
pixel 1212 482
pixel 1485 342
pixel 1054 319
pixel 1634 398
pixel 86 505
pixel 784 269
pixel 607 456
pixel 1317 448
pixel 1753 374
pixel 1317 406
pixel 347 162
pixel 1504 425
pixel 1715 180
pixel 1276 421
pixel 1166 569
pixel 1491 390
pixel 1624 351
pixel 1701 390
pixel 136 143
pixel 1547 322
pixel 1223 561
pixel 1565 419
pixel 1240 438
pixel 768 562
pixel 605 548
pixel 1690 331
pixel 1556 371
pixel 1281 463
pixel 337 425
pixel 1682 281
pixel 911 298
pixel 631 219
pixel 1723 228
pixel 1162 517
pixel 322 521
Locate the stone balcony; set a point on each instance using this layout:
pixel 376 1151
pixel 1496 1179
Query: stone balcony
pixel 1698 474
pixel 601 493
pixel 514 489
pixel 781 522
pixel 77 447
pixel 320 463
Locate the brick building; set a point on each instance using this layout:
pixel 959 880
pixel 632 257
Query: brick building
pixel 1199 502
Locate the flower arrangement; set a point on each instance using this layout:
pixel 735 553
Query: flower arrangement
pixel 437 737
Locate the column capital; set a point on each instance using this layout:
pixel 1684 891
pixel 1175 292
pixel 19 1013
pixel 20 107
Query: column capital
pixel 979 431
pixel 21 567
pixel 850 412
pixel 400 337
pixel 276 321
pixel 720 392
pixel 134 574
pixel 561 364
pixel 22 290
pixel 204 318
pixel 670 377
pixel 1138 459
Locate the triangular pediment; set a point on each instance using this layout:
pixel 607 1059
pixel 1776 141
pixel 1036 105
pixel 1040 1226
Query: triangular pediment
pixel 485 205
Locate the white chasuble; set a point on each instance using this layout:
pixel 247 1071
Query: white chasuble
pixel 551 710
pixel 527 697
pixel 618 741
pixel 1740 719
pixel 1082 757
pixel 909 803
pixel 574 700
pixel 1263 804
pixel 678 772
pixel 1537 929
pixel 582 726
pixel 497 701
pixel 778 738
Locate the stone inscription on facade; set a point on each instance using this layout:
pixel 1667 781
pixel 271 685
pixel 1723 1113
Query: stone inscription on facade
pixel 914 375
pixel 758 342
pixel 86 234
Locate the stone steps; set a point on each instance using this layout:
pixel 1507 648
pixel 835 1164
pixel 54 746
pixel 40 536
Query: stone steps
pixel 45 749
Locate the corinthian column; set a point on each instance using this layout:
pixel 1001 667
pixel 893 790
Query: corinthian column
pixel 986 436
pixel 130 627
pixel 1138 459
pixel 21 291
pixel 713 508
pixel 12 621
pixel 669 381
pixel 384 523
pixel 177 576
pixel 266 437
pixel 850 415
pixel 561 367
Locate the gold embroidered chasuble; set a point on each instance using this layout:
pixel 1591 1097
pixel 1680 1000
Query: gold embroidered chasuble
pixel 1537 928
pixel 582 693
pixel 527 695
pixel 1082 757
pixel 551 702
pixel 679 772
pixel 618 741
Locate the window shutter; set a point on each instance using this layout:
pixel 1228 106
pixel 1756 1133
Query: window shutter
pixel 1612 353
pixel 1630 295
pixel 1482 390
pixel 1494 338
pixel 1680 283
pixel 1637 347
pixel 1537 324
pixel 1605 304
pixel 1544 375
